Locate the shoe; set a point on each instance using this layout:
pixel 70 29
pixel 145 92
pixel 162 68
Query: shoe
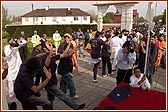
pixel 112 73
pixel 81 106
pixel 109 74
pixel 75 97
pixel 95 81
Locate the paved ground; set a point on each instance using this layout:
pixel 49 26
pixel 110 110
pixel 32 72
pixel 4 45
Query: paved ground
pixel 93 93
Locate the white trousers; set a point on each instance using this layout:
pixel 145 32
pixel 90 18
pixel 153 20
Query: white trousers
pixel 10 88
pixel 56 46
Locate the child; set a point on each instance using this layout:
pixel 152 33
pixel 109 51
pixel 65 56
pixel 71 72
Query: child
pixel 139 80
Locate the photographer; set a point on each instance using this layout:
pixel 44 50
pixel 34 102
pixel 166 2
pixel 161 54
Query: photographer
pixel 126 57
pixel 13 59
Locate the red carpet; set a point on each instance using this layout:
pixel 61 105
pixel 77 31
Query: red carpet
pixel 124 97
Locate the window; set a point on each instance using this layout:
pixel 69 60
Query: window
pixel 26 19
pixel 54 19
pixel 75 18
pixel 85 17
pixel 63 19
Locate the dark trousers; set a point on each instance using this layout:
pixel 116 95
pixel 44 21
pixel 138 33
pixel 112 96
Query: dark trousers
pixel 23 52
pixel 123 76
pixel 95 70
pixel 53 91
pixel 32 102
pixel 86 41
pixel 150 72
pixel 106 61
pixel 68 83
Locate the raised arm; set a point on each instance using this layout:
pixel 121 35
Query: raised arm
pixel 36 89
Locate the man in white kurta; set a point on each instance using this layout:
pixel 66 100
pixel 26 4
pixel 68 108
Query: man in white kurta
pixel 57 39
pixel 115 44
pixel 13 59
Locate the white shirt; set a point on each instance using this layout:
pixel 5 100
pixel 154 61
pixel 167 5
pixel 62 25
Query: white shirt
pixel 56 37
pixel 124 38
pixel 134 81
pixel 115 45
pixel 14 61
pixel 104 39
pixel 116 42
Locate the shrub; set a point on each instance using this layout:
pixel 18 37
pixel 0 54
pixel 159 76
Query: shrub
pixel 48 29
pixel 5 35
pixel 17 32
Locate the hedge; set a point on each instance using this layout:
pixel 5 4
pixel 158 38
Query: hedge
pixel 29 45
pixel 14 31
pixel 5 35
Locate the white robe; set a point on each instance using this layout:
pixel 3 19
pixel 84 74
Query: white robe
pixel 13 60
pixel 115 45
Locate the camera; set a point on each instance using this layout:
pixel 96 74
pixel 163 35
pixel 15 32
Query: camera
pixel 129 44
pixel 130 47
pixel 15 43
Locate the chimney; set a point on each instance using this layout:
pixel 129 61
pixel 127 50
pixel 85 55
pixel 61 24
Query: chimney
pixel 47 7
pixel 69 12
pixel 32 7
pixel 69 8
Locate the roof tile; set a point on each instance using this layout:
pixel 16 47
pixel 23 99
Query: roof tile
pixel 56 12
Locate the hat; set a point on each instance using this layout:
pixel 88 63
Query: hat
pixel 37 43
pixel 67 35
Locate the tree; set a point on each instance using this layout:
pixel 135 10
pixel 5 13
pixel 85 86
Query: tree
pixel 157 18
pixel 110 15
pixel 108 18
pixel 164 17
pixel 5 19
pixel 141 19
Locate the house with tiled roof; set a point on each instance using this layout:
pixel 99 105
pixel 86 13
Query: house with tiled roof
pixel 53 16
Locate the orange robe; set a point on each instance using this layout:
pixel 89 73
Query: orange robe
pixel 75 56
pixel 161 45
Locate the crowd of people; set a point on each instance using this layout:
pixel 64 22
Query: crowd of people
pixel 119 50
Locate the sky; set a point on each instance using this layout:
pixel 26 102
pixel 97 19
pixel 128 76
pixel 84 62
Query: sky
pixel 19 8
